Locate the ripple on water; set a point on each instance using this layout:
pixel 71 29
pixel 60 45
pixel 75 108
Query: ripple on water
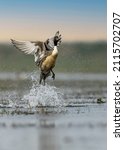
pixel 85 92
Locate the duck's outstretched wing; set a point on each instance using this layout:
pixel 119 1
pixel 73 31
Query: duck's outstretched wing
pixel 34 48
pixel 40 50
pixel 25 46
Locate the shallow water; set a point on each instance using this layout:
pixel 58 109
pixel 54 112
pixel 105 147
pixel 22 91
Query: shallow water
pixel 62 115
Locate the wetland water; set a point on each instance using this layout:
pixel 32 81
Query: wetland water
pixel 63 115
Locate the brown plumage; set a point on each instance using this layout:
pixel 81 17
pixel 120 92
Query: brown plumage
pixel 45 54
pixel 47 65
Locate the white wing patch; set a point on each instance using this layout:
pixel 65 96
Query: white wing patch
pixel 25 46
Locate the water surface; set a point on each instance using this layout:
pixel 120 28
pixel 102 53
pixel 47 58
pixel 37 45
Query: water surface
pixel 62 115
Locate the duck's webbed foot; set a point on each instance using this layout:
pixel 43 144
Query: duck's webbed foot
pixel 43 77
pixel 53 74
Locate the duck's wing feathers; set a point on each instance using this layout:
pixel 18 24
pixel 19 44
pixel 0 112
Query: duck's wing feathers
pixel 25 46
pixel 36 48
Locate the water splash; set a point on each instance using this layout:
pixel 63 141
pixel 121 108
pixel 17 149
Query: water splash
pixel 40 95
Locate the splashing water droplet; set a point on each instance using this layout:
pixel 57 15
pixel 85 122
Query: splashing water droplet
pixel 43 95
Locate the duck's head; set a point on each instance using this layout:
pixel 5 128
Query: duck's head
pixel 56 40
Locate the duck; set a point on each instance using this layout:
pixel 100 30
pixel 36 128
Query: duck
pixel 45 54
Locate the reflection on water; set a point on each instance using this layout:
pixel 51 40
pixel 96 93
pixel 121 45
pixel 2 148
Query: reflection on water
pixel 80 122
pixel 48 139
pixel 76 130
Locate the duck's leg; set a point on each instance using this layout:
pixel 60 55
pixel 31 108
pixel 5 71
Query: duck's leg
pixel 41 77
pixel 44 80
pixel 46 75
pixel 53 74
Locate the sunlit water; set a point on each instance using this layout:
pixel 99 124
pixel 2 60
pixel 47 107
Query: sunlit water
pixel 62 115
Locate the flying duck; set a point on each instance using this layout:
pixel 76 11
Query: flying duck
pixel 45 54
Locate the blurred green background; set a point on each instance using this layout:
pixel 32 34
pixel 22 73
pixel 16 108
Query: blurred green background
pixel 73 57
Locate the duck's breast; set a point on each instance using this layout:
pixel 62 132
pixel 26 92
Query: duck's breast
pixel 49 63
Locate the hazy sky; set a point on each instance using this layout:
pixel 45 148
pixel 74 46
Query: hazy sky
pixel 77 20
